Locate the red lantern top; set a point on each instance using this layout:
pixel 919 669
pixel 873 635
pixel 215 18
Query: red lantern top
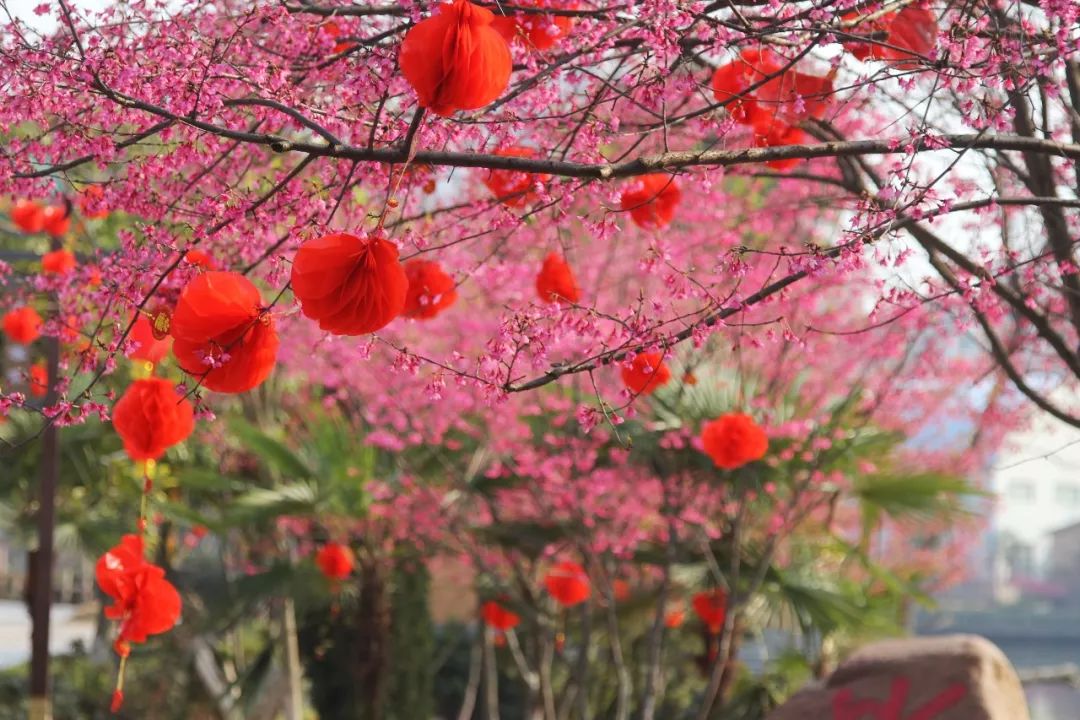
pixel 455 59
pixel 734 439
pixel 350 285
pixel 23 325
pixel 568 583
pixel 335 561
pixel 556 282
pixel 430 290
pixel 221 333
pixel 150 418
pixel 647 372
pixel 144 602
pixel 651 200
pixel 498 617
pixel 711 607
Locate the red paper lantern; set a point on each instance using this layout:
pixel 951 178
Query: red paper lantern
pixel 333 30
pixel 912 35
pixel 350 285
pixel 651 200
pixel 28 216
pixel 56 220
pixel 39 380
pixel 144 602
pixel 455 59
pixel 731 84
pixel 150 418
pixel 513 187
pixel 878 26
pixel 200 259
pixel 335 561
pixel 556 282
pixel 646 372
pixel 620 589
pixel 734 439
pixel 23 325
pixel 150 348
pixel 90 203
pixel 773 133
pixel 498 617
pixel 430 290
pixel 794 96
pixel 536 30
pixel 711 607
pixel 568 583
pixel 221 333
pixel 58 262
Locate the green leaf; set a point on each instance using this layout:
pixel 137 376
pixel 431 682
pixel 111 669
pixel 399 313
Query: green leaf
pixel 275 454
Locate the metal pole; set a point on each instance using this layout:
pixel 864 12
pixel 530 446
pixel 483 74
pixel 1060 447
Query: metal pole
pixel 41 580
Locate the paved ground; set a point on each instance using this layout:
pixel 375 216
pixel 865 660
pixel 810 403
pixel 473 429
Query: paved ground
pixel 64 629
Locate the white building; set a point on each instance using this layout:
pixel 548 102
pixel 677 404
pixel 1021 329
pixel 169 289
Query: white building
pixel 1037 481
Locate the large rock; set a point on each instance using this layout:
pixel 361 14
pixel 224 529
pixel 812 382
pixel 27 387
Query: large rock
pixel 952 677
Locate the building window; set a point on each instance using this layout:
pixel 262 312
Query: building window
pixel 1068 494
pixel 1022 490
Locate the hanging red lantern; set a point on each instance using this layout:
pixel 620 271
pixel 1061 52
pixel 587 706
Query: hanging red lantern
pixel 90 203
pixel 555 282
pixel 731 84
pixel 200 259
pixel 149 348
pixel 56 220
pixel 674 618
pixel 222 335
pixel 455 59
pixel 39 380
pixel 711 607
pixel 430 290
pixel 150 418
pixel 332 30
pixel 28 216
pixel 794 96
pixel 647 372
pixel 734 439
pixel 620 589
pixel 912 36
pixel 651 200
pixel 568 583
pixel 876 28
pixel 23 325
pixel 513 188
pixel 58 262
pixel 497 617
pixel 144 602
pixel 538 31
pixel 335 561
pixel 773 133
pixel 350 285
